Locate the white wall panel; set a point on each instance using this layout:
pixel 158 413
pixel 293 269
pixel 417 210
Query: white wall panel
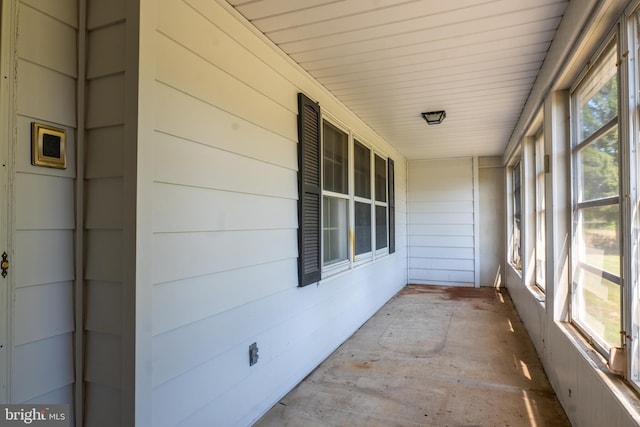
pixel 181 302
pixel 43 311
pixel 442 241
pixel 53 50
pixel 183 70
pixel 209 125
pixel 103 407
pixel 104 156
pixel 102 13
pixel 44 202
pixel 42 366
pixel 442 207
pixel 45 94
pixel 441 222
pixel 104 203
pixel 179 161
pixel 180 209
pixel 440 230
pixel 44 256
pixel 218 176
pixel 105 102
pixel 103 255
pixel 62 394
pixel 104 300
pixel 64 10
pixel 449 218
pixel 224 52
pixel 443 264
pixel 110 42
pixel 197 254
pixel 104 360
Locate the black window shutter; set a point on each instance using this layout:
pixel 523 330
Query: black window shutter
pixel 392 206
pixel 309 191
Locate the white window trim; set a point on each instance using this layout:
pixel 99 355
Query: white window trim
pixel 353 260
pixel 600 345
pixel 341 265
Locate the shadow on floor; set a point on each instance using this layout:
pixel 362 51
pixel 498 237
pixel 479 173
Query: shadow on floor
pixel 432 356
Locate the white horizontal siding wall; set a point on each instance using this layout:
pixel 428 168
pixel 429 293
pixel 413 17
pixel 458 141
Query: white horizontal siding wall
pixel 105 214
pixel 441 222
pixel 217 248
pixel 42 319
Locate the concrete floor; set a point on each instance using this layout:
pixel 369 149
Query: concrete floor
pixel 432 356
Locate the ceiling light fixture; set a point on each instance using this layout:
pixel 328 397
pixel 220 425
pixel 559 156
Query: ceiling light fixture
pixel 434 117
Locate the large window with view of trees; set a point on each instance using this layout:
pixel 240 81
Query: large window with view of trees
pixel 596 279
pixel 516 226
pixel 541 211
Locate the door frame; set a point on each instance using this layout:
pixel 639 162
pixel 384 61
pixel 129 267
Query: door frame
pixel 7 170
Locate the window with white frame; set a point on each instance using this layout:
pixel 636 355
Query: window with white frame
pixel 381 202
pixel 332 206
pixel 516 209
pixel 335 194
pixel 362 198
pixel 540 246
pixel 596 279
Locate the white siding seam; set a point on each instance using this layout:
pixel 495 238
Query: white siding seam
pixel 204 144
pixel 226 190
pixel 48 337
pixel 103 77
pixel 223 190
pixel 217 107
pixel 243 82
pixel 44 66
pixel 107 25
pixel 225 230
pixel 222 271
pixel 55 18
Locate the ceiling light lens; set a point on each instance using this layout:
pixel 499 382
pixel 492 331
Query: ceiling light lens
pixel 434 117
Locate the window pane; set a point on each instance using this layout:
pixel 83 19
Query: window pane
pixel 363 227
pixel 598 302
pixel 362 170
pixel 598 240
pixel 598 168
pixel 381 227
pixel 515 238
pixel 540 213
pixel 381 179
pixel 597 98
pixel 334 226
pixel 336 167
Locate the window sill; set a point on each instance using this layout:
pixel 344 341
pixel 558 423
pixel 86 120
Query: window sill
pixel 515 270
pixel 537 293
pixel 345 267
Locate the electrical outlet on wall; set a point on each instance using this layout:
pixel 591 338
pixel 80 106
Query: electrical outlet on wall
pixel 253 354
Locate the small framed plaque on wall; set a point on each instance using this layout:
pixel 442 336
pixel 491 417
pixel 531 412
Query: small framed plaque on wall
pixel 48 146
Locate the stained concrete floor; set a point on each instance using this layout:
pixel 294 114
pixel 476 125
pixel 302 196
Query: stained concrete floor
pixel 432 356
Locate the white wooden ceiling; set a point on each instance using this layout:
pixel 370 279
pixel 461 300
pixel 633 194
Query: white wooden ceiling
pixel 390 60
